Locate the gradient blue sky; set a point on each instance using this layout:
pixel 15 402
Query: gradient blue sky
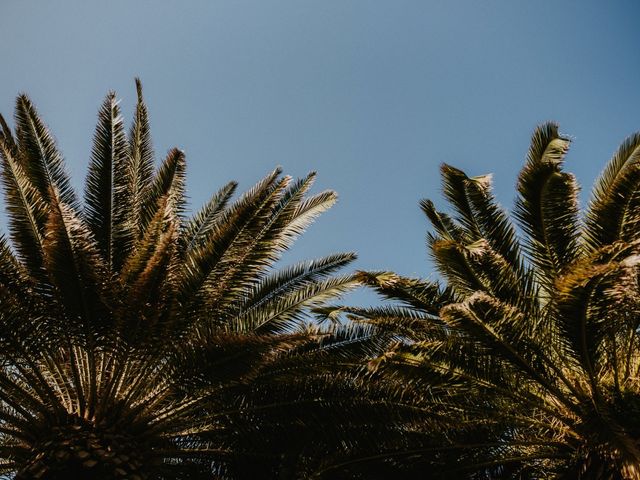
pixel 373 95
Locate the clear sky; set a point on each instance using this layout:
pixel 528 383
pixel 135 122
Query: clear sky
pixel 374 95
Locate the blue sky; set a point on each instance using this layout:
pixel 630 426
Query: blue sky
pixel 373 95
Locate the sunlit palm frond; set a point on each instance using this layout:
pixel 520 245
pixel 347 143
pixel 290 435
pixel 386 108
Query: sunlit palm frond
pixel 39 155
pixel 108 200
pixel 613 211
pixel 168 181
pixel 204 221
pixel 26 209
pixel 551 234
pixel 141 164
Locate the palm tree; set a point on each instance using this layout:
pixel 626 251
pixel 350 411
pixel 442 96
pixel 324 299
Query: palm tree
pixel 138 342
pixel 533 336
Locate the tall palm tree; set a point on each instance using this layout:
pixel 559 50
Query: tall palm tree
pixel 532 338
pixel 138 342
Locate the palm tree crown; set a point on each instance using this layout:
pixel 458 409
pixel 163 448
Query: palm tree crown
pixel 137 342
pixel 533 340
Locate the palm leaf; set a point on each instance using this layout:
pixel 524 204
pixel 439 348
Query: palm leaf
pixel 252 252
pixel 421 294
pixel 444 225
pixel 285 312
pixel 455 191
pixel 288 279
pixel 169 181
pixel 27 211
pixel 493 223
pixel 231 229
pixel 142 160
pixel 200 226
pixel 108 201
pixel 39 155
pixel 6 136
pixel 613 212
pixel 552 234
pixel 76 268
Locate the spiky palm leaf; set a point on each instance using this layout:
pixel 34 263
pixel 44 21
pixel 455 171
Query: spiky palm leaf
pixel 138 343
pixel 543 347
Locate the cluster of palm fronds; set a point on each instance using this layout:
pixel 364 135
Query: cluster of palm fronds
pixel 139 342
pixel 532 342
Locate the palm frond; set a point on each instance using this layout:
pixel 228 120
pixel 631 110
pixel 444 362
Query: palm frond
pixel 493 223
pixel 39 156
pixel 551 234
pixel 6 136
pixel 75 267
pixel 142 160
pixel 455 191
pixel 290 278
pixel 613 212
pixel 12 276
pixel 27 211
pixel 454 261
pixel 389 322
pixel 586 297
pixel 424 295
pixel 200 226
pixel 169 181
pixel 285 312
pixel 288 219
pixel 108 201
pixel 235 227
pixel 444 225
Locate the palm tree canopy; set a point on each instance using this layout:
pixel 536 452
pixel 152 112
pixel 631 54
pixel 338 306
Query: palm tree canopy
pixel 139 342
pixel 533 330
